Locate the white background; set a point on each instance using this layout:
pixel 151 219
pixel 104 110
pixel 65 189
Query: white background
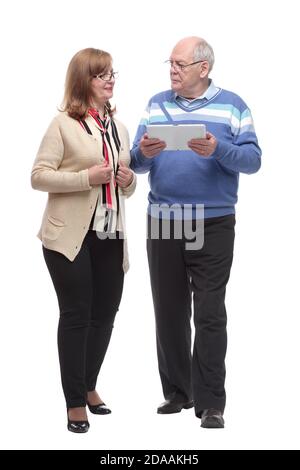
pixel 257 57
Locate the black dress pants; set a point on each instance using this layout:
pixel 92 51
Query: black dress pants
pixel 89 291
pixel 178 276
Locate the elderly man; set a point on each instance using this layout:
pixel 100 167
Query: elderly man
pixel 204 175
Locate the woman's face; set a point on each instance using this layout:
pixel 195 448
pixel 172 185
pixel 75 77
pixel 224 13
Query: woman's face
pixel 102 87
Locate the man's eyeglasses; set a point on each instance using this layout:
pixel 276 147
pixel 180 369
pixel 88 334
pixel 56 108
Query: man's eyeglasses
pixel 106 76
pixel 181 67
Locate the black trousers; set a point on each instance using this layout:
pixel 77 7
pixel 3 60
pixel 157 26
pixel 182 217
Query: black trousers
pixel 89 291
pixel 178 275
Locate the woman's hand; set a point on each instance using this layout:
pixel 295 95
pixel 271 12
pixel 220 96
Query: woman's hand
pixel 100 174
pixel 124 175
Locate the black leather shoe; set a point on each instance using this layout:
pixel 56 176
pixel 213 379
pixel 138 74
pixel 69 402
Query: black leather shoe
pixel 99 409
pixel 78 426
pixel 212 418
pixel 171 406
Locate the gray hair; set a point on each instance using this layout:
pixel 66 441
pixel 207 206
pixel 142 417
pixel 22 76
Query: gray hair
pixel 203 51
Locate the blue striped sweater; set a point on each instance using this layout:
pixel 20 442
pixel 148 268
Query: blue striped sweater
pixel 183 177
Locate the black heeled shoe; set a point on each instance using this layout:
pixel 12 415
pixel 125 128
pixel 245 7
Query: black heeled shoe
pixel 78 426
pixel 100 409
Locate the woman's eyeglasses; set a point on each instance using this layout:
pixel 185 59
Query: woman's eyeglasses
pixel 106 76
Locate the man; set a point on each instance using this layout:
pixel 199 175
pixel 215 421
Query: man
pixel 206 175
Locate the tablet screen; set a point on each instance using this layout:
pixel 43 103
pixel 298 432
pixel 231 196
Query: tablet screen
pixel 177 137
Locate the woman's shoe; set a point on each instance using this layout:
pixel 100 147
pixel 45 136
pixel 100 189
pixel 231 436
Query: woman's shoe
pixel 100 409
pixel 78 426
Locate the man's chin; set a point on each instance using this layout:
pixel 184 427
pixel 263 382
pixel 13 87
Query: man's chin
pixel 176 86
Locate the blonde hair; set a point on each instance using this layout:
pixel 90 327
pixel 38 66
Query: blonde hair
pixel 78 92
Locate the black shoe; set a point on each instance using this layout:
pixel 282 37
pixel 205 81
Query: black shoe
pixel 171 406
pixel 78 426
pixel 212 418
pixel 99 409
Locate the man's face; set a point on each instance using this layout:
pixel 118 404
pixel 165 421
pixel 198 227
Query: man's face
pixel 186 80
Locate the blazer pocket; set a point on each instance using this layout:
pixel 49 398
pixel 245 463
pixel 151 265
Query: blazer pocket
pixel 52 228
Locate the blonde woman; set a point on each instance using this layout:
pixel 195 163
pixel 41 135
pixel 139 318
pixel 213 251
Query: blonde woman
pixel 83 163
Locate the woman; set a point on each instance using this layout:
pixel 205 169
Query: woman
pixel 83 164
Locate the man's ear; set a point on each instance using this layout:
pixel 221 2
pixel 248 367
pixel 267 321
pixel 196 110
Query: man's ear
pixel 204 69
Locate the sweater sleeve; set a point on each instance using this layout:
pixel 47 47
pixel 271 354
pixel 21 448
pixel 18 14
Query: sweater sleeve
pixel 46 176
pixel 243 154
pixel 139 163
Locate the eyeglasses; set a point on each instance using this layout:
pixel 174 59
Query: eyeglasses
pixel 181 67
pixel 106 76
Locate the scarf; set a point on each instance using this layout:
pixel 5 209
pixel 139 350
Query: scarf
pixel 105 217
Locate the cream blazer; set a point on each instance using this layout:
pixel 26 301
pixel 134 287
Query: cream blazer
pixel 61 169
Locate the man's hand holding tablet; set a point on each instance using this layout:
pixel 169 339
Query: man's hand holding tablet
pixel 194 137
pixel 176 137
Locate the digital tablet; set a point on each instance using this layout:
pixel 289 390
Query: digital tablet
pixel 176 137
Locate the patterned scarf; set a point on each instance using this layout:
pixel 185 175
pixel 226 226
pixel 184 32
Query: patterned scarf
pixel 105 218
